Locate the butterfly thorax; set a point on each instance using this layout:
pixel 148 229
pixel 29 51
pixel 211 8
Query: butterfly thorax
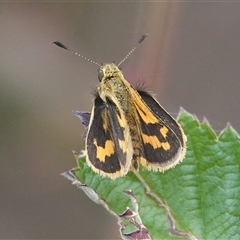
pixel 115 87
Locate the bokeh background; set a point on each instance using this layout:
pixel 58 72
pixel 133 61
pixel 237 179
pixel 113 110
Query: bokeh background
pixel 191 59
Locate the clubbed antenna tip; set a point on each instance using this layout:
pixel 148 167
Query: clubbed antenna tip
pixel 61 45
pixel 142 38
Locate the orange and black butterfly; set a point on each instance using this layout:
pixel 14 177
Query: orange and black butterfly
pixel 128 127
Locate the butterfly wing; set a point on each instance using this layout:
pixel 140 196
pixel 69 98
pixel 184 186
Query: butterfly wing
pixel 162 114
pixel 108 142
pixel 162 137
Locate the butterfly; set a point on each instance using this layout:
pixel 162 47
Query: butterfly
pixel 128 127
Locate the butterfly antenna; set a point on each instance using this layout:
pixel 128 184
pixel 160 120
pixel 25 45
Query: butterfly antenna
pixel 78 54
pixel 134 48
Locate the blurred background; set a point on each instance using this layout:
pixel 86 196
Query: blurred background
pixel 191 59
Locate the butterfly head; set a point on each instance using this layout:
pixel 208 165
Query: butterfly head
pixel 108 71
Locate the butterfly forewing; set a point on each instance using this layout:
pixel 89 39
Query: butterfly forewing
pixel 163 115
pixel 163 144
pixel 108 142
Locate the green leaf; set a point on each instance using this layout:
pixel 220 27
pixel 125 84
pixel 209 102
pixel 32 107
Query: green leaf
pixel 199 198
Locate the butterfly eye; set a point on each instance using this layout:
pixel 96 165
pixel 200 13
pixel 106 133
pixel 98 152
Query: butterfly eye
pixel 100 75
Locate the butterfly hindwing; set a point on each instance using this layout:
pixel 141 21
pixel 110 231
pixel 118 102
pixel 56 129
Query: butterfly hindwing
pixel 108 142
